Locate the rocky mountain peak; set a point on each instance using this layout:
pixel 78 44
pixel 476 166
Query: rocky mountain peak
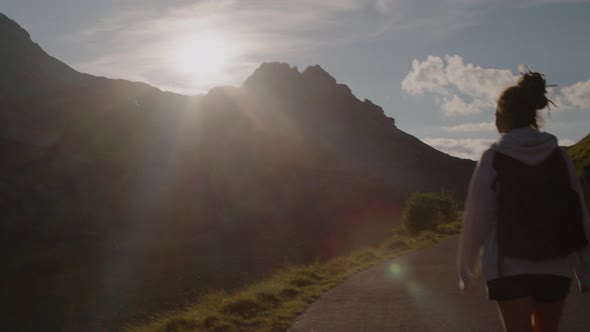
pixel 272 74
pixel 318 74
pixel 278 76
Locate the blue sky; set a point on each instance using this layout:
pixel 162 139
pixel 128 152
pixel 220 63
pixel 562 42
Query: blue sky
pixel 436 66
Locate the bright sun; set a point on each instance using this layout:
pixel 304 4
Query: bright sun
pixel 204 55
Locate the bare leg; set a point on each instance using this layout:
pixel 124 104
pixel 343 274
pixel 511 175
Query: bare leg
pixel 546 316
pixel 516 314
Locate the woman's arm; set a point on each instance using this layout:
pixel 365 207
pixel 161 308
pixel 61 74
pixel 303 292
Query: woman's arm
pixel 583 269
pixel 477 220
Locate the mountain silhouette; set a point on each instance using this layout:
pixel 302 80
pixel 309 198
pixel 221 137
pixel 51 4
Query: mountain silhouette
pixel 119 199
pixel 26 69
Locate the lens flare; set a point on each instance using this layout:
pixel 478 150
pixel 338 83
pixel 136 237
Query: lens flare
pixel 397 271
pixel 415 289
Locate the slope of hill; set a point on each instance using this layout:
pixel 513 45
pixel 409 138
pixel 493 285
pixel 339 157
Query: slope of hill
pixel 119 199
pixel 580 154
pixel 26 69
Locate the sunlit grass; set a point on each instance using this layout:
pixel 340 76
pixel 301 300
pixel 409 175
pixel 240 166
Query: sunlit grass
pixel 580 154
pixel 273 304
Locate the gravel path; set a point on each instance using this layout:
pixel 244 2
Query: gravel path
pixel 417 292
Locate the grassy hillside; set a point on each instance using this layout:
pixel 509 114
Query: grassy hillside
pixel 580 154
pixel 273 304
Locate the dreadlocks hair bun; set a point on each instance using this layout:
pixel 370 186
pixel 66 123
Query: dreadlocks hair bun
pixel 534 89
pixel 521 102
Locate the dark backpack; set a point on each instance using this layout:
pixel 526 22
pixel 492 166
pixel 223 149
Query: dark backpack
pixel 539 215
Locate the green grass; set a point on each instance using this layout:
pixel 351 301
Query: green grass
pixel 580 154
pixel 273 304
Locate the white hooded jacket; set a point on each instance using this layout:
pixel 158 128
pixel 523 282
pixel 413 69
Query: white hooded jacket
pixel 478 242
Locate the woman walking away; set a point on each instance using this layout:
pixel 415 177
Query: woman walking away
pixel 525 212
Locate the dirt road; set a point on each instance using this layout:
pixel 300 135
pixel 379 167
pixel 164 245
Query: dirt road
pixel 417 292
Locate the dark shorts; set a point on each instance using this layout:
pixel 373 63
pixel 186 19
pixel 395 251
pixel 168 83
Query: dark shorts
pixel 541 287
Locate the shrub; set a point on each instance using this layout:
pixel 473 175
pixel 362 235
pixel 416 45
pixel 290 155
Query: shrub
pixel 425 211
pixel 449 228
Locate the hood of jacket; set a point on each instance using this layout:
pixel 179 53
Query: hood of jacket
pixel 528 145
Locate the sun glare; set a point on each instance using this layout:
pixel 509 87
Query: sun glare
pixel 204 56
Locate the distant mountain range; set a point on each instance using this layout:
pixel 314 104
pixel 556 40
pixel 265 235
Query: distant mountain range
pixel 119 199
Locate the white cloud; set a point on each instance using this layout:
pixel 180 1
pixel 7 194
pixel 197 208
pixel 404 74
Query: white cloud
pixel 566 142
pixel 578 94
pixel 457 82
pixel 476 81
pixel 462 89
pixel 471 127
pixel 427 76
pixel 468 148
pixel 559 101
pixel 456 105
